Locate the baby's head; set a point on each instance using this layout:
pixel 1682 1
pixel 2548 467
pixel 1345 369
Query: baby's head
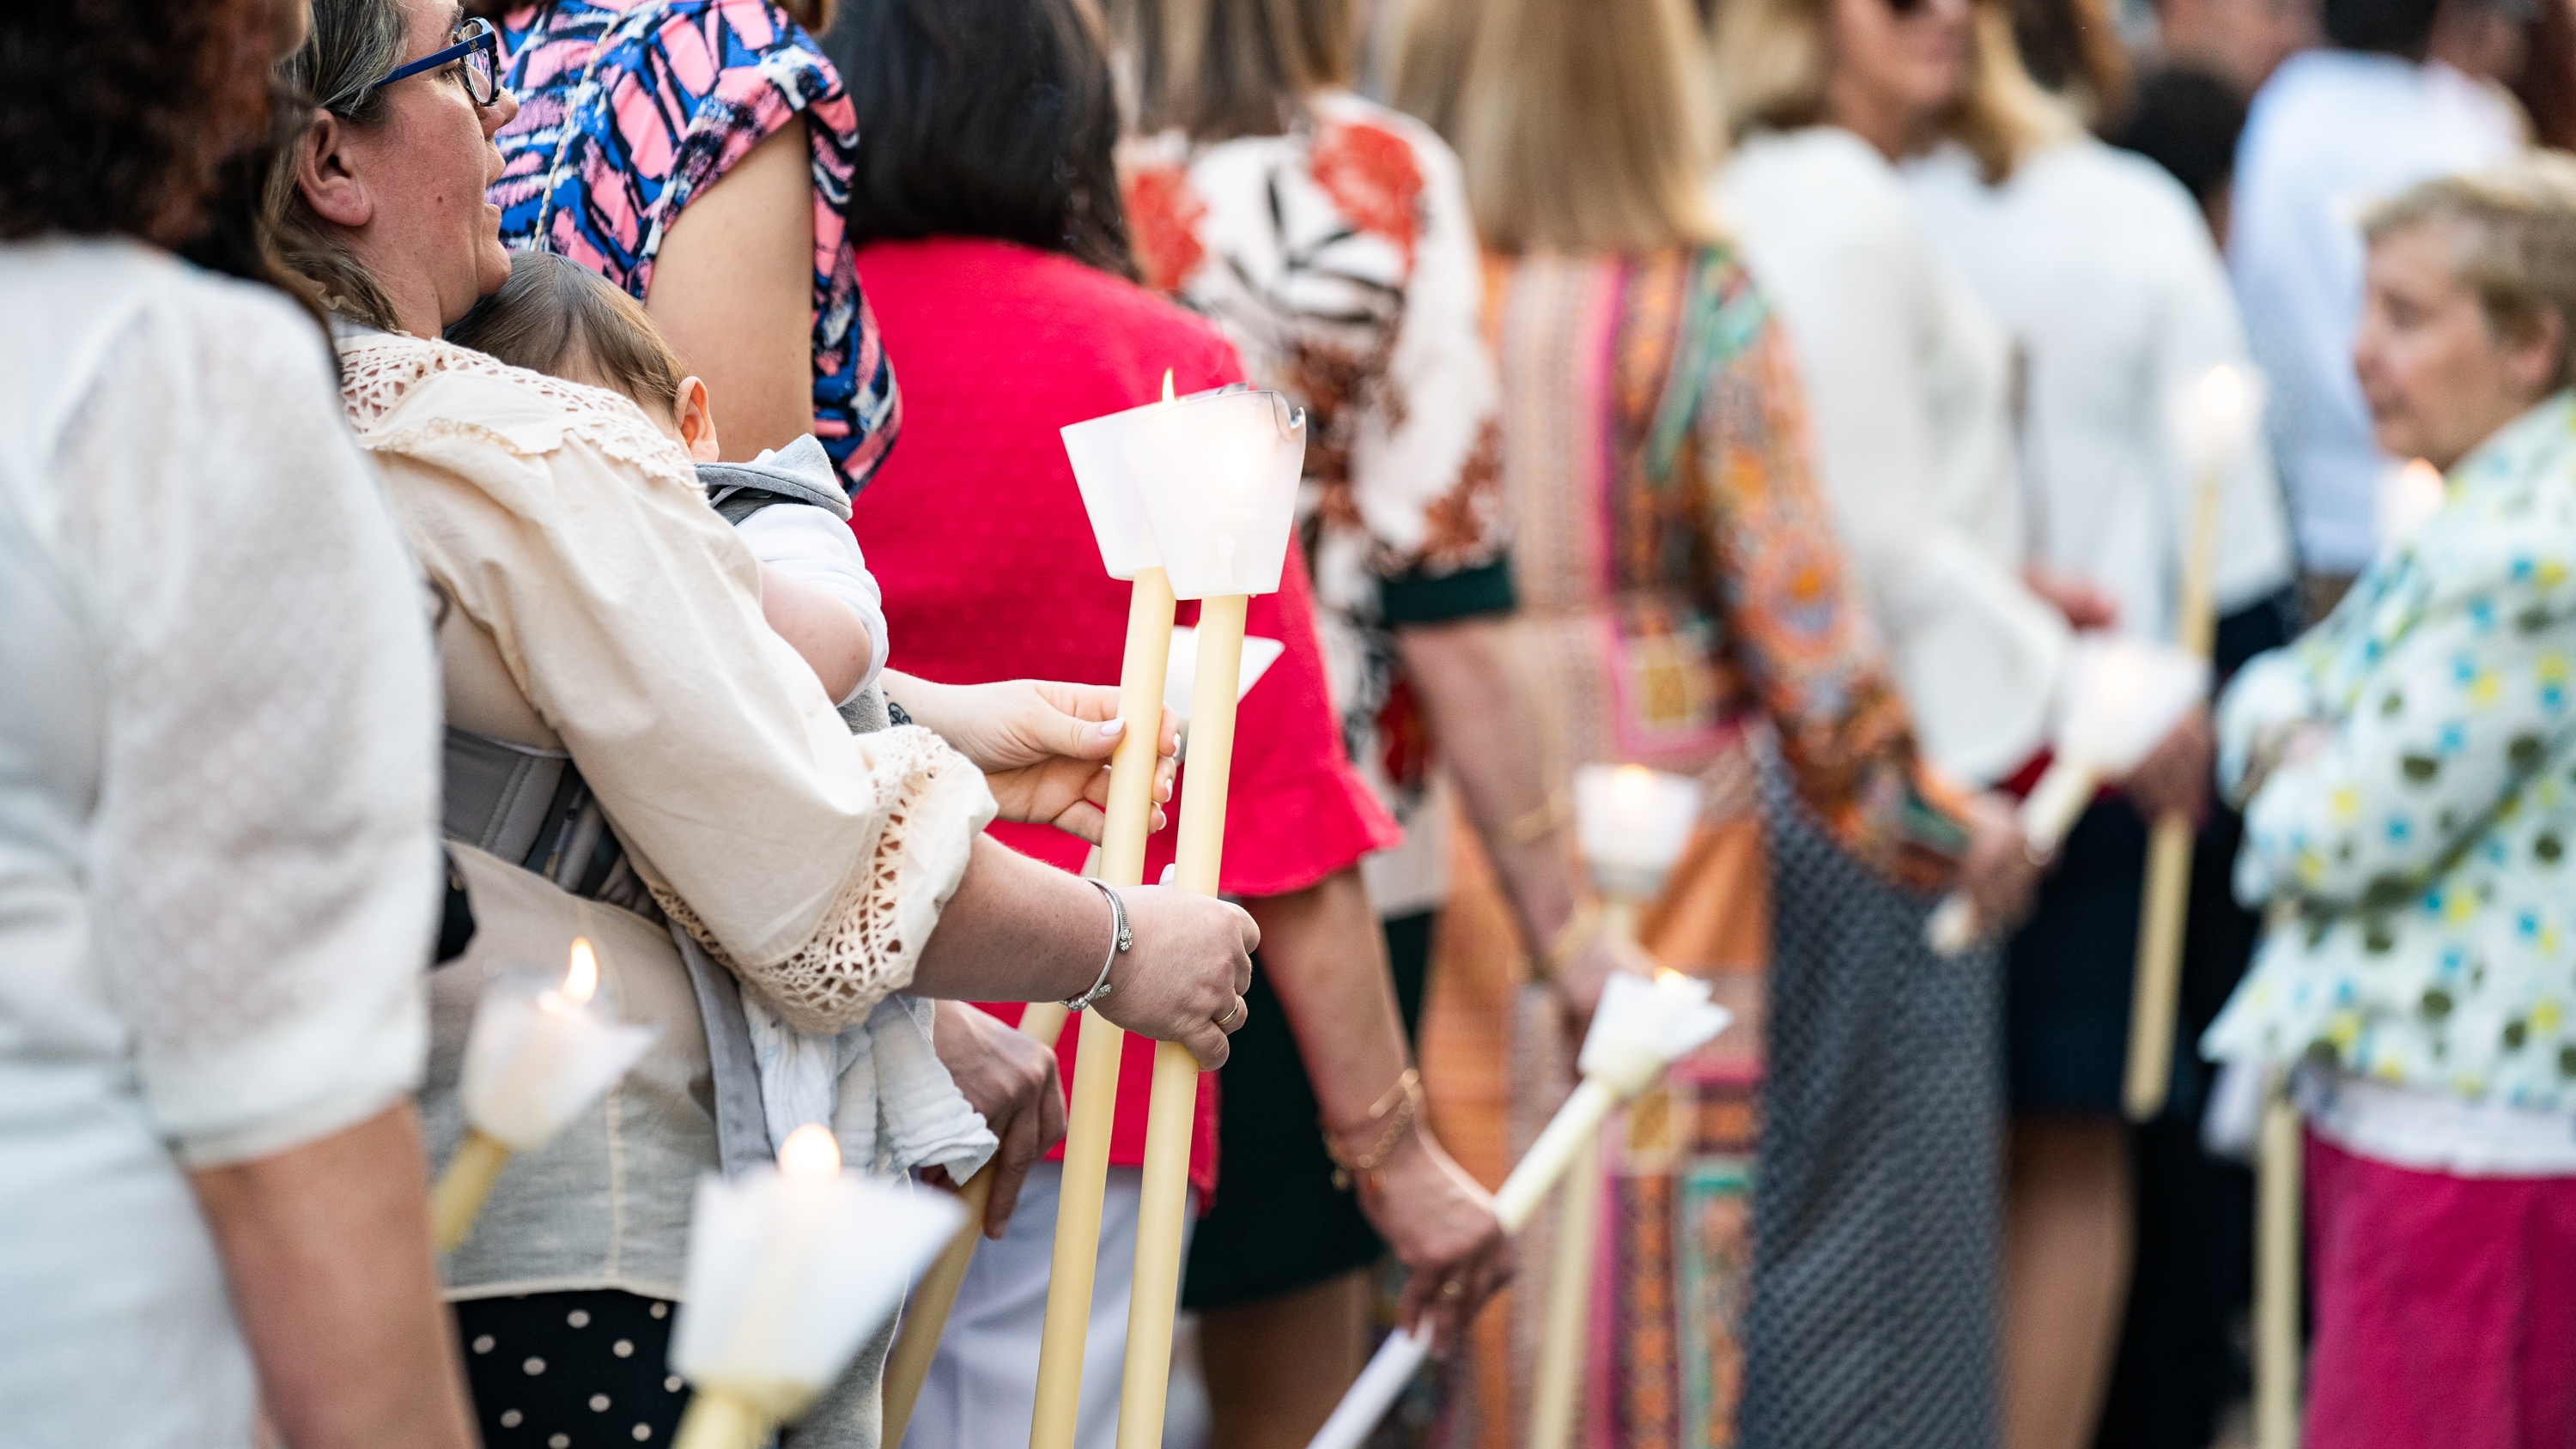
pixel 560 318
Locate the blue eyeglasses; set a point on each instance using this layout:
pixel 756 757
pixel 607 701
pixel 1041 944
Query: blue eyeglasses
pixel 478 45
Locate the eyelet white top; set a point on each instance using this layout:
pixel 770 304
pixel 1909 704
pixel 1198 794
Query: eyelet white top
pixel 218 864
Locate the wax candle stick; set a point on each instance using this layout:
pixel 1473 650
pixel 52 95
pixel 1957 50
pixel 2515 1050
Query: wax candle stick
pixel 1565 1332
pixel 2277 1273
pixel 1631 825
pixel 790 1269
pixel 1640 1029
pixel 1171 1113
pixel 2217 422
pixel 1127 551
pixel 1217 477
pixel 536 1058
pixel 925 1315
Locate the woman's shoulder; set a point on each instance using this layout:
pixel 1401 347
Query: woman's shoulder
pixel 109 307
pixel 1818 185
pixel 418 396
pixel 683 52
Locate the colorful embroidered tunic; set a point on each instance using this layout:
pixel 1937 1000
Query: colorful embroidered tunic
pixel 629 108
pixel 1341 262
pixel 2423 845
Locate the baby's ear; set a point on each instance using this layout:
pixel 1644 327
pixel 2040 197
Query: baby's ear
pixel 697 419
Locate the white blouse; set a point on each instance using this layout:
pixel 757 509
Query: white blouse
pixel 1908 383
pixel 2100 266
pixel 218 861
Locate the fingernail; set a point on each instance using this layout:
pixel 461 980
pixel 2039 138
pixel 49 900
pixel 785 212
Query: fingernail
pixel 1170 873
pixel 1112 727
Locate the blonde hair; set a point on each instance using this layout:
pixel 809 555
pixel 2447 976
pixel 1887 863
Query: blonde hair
pixel 1769 57
pixel 1581 125
pixel 2517 225
pixel 1218 69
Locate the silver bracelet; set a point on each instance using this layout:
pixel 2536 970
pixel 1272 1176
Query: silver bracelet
pixel 1119 940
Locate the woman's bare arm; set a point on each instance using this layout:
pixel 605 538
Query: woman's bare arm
pixel 326 1250
pixel 733 293
pixel 1020 930
pixel 1326 960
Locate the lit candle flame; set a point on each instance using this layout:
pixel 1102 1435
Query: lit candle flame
pixel 2223 393
pixel 1667 976
pixel 810 1152
pixel 1633 788
pixel 582 980
pixel 1167 384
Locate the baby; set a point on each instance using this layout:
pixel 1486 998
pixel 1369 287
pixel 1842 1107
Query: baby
pixel 557 317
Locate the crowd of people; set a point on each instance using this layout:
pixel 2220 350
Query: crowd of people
pixel 1771 392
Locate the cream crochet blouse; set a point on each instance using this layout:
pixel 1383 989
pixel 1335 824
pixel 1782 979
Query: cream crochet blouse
pixel 624 627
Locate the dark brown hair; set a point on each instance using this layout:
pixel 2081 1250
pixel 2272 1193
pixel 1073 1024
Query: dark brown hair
pixel 558 317
pixel 2073 50
pixel 983 118
pixel 118 116
pixel 1218 69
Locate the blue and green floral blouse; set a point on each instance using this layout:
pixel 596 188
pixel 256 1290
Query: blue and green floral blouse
pixel 2424 928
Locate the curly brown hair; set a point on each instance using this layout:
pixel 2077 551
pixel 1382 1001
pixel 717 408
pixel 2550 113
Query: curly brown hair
pixel 119 116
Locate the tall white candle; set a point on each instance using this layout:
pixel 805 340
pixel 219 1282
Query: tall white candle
pixel 791 1268
pixel 1640 1029
pixel 536 1058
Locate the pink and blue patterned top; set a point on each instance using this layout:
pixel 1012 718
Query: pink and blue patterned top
pixel 630 108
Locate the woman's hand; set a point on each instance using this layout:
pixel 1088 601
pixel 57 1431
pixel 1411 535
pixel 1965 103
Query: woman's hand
pixel 2174 778
pixel 2082 603
pixel 1011 1080
pixel 1440 1225
pixel 1997 873
pixel 1043 745
pixel 1186 973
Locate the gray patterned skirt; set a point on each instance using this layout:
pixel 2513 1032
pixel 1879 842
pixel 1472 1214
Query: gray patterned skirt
pixel 1878 1194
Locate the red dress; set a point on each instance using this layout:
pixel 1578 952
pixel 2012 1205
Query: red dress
pixel 976 532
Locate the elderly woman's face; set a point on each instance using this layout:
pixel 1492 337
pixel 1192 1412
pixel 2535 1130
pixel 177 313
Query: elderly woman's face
pixel 409 192
pixel 2437 374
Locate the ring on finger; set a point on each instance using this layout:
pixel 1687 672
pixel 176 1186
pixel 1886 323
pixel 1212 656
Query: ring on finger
pixel 1229 1019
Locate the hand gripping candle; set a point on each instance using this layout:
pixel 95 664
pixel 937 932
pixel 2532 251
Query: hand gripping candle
pixel 1640 1029
pixel 536 1058
pixel 1217 474
pixel 2214 420
pixel 2118 697
pixel 791 1268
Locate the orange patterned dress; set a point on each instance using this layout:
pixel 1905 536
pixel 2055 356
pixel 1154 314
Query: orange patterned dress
pixel 1683 604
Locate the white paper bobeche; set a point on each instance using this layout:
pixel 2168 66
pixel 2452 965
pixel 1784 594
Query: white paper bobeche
pixel 792 1267
pixel 540 1054
pixel 1631 824
pixel 1096 449
pixel 1216 474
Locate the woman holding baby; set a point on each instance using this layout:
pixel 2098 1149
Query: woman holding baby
pixel 599 623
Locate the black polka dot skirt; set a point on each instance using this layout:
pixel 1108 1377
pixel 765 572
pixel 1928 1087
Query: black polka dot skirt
pixel 584 1370
pixel 1876 1207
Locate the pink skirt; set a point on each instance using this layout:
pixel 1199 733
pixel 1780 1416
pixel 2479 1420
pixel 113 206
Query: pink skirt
pixel 2445 1307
